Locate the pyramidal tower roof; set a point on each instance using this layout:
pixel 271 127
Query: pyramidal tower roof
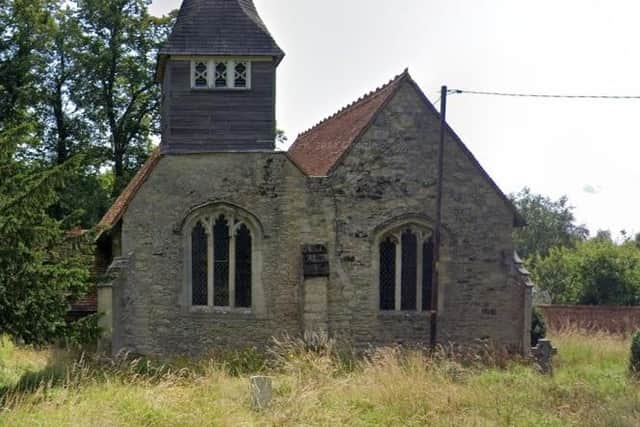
pixel 220 27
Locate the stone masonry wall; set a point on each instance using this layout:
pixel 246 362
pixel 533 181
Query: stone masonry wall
pixel 387 178
pixel 265 184
pixel 391 174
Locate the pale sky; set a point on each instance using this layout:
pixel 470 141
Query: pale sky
pixel 337 50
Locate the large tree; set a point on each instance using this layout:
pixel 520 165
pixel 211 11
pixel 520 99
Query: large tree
pixel 39 270
pixel 116 89
pixel 23 28
pixel 550 223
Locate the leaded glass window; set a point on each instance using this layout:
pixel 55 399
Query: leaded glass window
pixel 240 74
pixel 387 274
pixel 405 269
pixel 427 275
pixel 221 74
pixel 409 270
pixel 221 262
pixel 243 267
pixel 199 266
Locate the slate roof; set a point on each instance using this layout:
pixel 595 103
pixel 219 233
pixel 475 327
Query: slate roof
pixel 220 27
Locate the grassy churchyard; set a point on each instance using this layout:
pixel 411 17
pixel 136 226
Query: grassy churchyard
pixel 591 387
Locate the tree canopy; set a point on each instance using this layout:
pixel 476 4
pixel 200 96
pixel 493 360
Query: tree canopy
pixel 550 223
pixel 39 271
pixel 78 113
pixel 595 272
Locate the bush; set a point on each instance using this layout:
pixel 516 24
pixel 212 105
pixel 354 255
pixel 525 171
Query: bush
pixel 595 272
pixel 634 364
pixel 83 334
pixel 538 327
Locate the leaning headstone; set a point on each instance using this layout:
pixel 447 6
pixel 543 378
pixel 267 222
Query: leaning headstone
pixel 261 392
pixel 543 354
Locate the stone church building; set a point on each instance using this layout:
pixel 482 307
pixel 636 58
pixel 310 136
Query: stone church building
pixel 222 241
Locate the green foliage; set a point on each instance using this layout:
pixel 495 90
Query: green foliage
pixel 282 140
pixel 634 363
pixel 83 333
pixel 538 327
pixel 77 96
pixel 39 269
pixel 550 223
pixel 117 89
pixel 591 387
pixel 23 29
pixel 596 272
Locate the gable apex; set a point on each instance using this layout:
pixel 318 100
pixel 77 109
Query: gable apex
pixel 321 149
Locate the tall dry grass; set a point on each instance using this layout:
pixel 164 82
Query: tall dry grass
pixel 319 382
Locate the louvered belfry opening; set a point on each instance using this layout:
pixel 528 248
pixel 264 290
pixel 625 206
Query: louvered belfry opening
pixel 199 266
pixel 243 267
pixel 218 73
pixel 387 274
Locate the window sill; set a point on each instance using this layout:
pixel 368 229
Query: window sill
pixel 221 310
pixel 404 314
pixel 220 89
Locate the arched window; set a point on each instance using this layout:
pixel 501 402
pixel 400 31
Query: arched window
pixel 406 269
pixel 199 265
pixel 388 250
pixel 222 260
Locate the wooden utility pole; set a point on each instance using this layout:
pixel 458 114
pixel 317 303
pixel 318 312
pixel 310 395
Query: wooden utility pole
pixel 437 241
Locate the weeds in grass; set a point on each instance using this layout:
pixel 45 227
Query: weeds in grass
pixel 318 381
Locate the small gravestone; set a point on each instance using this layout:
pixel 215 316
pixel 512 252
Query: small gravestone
pixel 261 392
pixel 543 354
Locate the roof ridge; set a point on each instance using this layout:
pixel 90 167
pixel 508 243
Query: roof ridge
pixel 366 97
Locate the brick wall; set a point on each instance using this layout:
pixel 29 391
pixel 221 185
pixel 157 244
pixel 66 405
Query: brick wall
pixel 610 319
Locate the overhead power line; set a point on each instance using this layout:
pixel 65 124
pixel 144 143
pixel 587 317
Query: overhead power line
pixel 541 95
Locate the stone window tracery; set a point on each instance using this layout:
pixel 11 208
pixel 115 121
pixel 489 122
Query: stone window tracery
pixel 222 260
pixel 405 269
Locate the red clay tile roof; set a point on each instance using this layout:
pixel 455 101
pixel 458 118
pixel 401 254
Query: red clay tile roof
pixel 86 304
pixel 117 210
pixel 317 150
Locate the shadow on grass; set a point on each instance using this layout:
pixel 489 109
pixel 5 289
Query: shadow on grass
pixel 30 382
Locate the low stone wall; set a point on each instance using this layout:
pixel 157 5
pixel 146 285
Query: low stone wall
pixel 621 320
